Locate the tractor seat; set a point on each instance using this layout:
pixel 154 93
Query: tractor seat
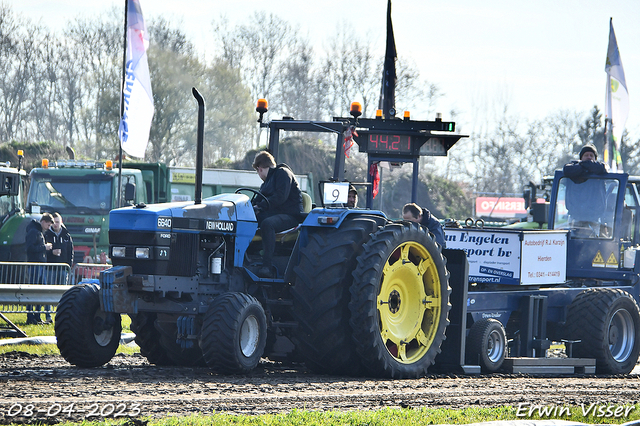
pixel 290 234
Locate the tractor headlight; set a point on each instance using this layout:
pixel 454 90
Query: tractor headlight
pixel 117 252
pixel 142 252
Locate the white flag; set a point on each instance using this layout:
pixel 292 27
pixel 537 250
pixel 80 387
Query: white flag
pixel 617 99
pixel 136 91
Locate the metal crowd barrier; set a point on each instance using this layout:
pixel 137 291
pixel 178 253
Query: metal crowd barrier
pixel 28 283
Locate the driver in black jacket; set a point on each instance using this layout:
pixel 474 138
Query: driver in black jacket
pixel 279 209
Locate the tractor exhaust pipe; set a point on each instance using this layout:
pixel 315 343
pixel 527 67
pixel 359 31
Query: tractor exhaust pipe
pixel 200 148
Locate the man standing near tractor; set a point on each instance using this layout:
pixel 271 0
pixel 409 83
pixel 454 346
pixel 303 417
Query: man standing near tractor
pixel 62 248
pixel 414 213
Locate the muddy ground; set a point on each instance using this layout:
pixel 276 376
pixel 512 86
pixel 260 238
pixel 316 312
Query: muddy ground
pixel 47 388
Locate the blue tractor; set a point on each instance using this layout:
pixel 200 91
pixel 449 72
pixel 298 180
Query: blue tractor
pixel 355 292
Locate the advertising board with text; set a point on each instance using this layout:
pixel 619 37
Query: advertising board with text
pixel 512 257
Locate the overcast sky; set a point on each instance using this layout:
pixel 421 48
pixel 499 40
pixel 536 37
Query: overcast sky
pixel 537 56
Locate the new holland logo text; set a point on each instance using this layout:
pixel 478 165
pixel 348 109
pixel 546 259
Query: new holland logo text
pixel 217 225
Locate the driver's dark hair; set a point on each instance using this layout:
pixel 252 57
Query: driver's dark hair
pixel 412 208
pixel 264 159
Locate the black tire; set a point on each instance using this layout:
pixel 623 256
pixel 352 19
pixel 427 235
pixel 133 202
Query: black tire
pixel 234 333
pixel 487 345
pixel 85 335
pixel 607 322
pixel 400 302
pixel 148 338
pixel 321 295
pixel 166 326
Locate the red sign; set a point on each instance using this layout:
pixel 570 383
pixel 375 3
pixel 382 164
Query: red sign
pixel 500 207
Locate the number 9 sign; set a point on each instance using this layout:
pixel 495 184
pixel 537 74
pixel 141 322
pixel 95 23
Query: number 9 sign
pixel 336 193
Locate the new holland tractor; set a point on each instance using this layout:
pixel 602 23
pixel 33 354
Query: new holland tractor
pixel 355 293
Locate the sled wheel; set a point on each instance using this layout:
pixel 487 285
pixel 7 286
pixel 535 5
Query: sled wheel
pixel 234 333
pixel 321 295
pixel 85 335
pixel 400 301
pixel 486 345
pixel 607 323
pixel 147 337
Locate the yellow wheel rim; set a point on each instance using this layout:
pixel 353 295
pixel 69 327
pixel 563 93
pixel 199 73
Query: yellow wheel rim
pixel 409 302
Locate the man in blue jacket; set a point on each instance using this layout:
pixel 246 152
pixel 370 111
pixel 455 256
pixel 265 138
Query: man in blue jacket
pixel 280 207
pixel 414 213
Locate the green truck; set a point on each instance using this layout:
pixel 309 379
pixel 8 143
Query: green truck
pixel 13 219
pixel 84 192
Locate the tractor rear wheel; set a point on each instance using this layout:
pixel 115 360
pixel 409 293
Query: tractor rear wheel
pixel 234 333
pixel 399 302
pixel 321 295
pixel 607 323
pixel 486 344
pixel 148 338
pixel 85 335
pixel 167 328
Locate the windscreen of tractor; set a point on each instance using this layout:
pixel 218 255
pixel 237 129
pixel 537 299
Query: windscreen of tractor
pixel 587 208
pixel 8 204
pixel 78 194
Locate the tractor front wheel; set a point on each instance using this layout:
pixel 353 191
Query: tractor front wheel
pixel 399 302
pixel 234 333
pixel 85 335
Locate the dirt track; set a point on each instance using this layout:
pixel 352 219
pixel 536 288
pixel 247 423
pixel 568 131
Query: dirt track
pixel 128 385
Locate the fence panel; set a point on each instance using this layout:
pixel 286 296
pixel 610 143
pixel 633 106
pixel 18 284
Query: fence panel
pixel 24 285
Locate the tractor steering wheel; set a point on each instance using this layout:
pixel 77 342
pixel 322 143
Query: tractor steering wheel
pixel 255 195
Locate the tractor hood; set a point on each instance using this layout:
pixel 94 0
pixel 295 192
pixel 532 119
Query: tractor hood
pixel 219 213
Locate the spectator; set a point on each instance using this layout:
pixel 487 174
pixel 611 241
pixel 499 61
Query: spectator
pixel 414 213
pixel 37 252
pixel 62 248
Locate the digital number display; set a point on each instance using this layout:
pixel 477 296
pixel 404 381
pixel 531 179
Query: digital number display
pixel 398 144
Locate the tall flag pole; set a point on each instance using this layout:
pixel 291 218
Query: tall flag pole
pixel 387 93
pixel 388 90
pixel 137 98
pixel 616 103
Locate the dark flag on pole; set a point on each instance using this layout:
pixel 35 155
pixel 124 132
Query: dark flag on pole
pixel 388 91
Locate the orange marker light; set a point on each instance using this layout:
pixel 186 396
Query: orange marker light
pixel 45 163
pixel 20 153
pixel 407 115
pixel 262 106
pixel 378 113
pixel 356 109
pixel 108 164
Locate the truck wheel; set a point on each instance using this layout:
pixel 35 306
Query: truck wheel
pixel 85 335
pixel 321 296
pixel 166 326
pixel 399 302
pixel 234 333
pixel 607 322
pixel 148 338
pixel 486 345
